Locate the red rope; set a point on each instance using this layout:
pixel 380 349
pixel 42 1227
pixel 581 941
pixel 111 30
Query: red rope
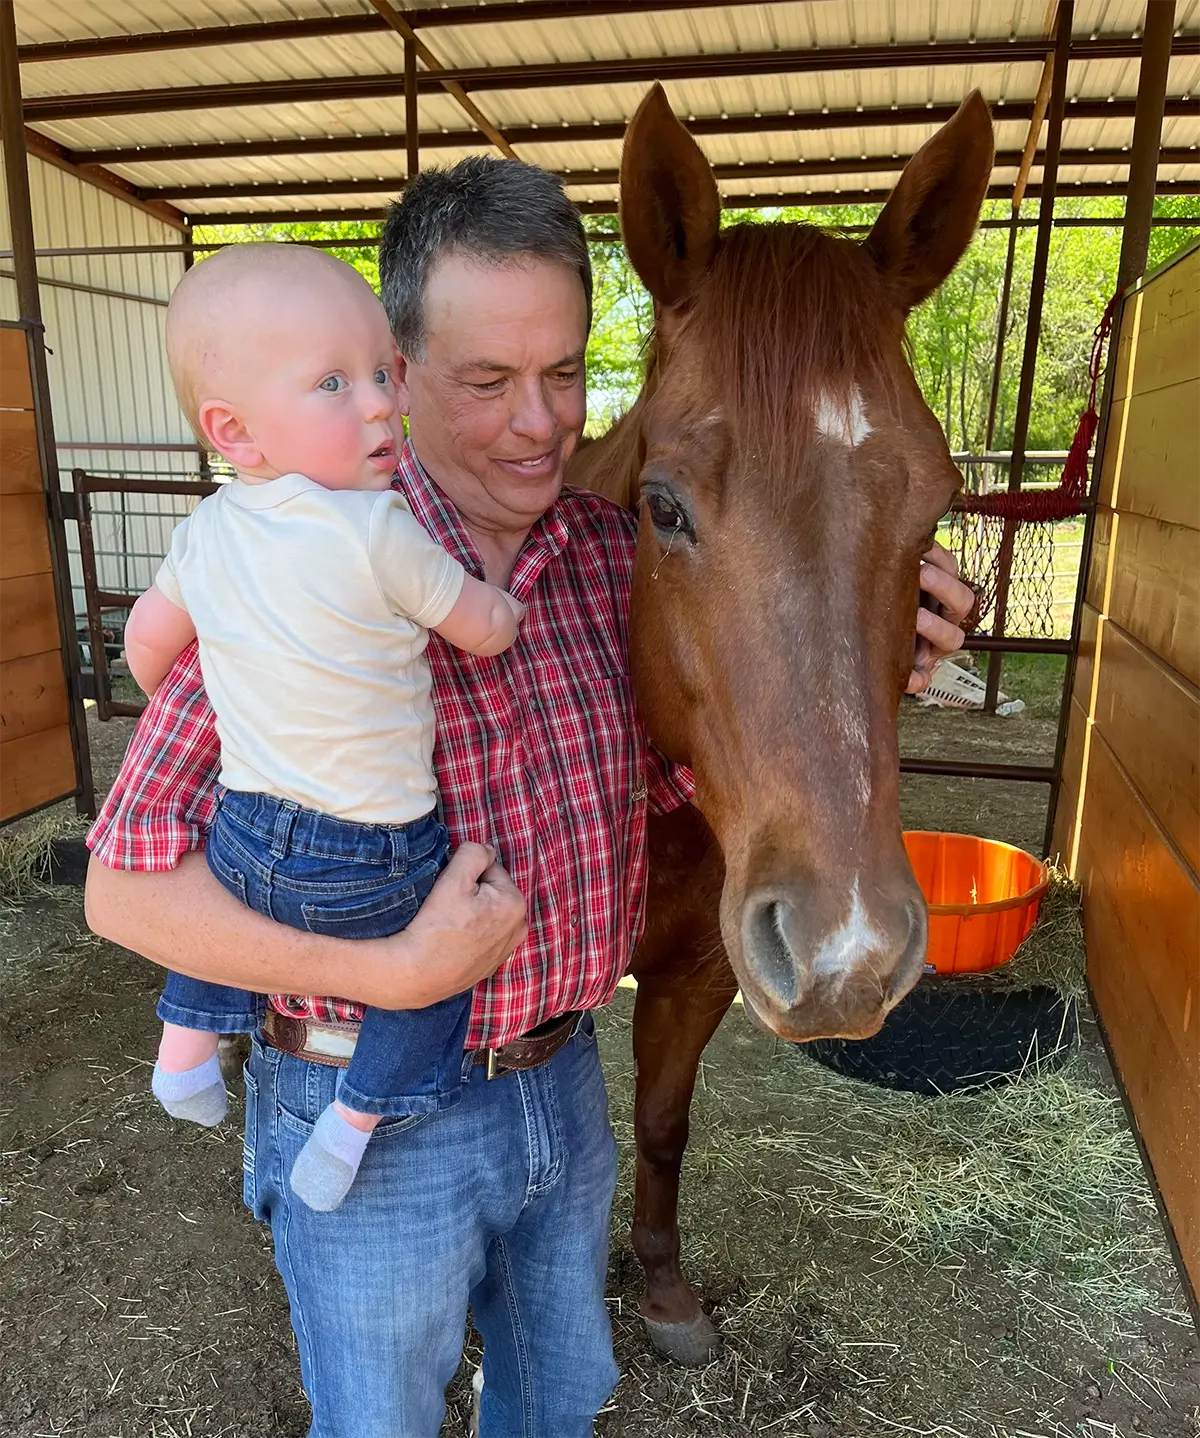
pixel 1069 497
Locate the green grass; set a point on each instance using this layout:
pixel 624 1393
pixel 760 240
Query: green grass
pixel 1035 678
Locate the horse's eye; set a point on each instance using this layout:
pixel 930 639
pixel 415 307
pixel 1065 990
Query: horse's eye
pixel 667 515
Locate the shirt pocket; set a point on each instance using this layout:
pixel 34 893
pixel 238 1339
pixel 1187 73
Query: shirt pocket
pixel 618 749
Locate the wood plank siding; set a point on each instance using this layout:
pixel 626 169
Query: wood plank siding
pixel 37 758
pixel 1128 818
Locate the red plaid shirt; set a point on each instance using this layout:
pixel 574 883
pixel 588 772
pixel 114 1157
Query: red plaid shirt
pixel 539 751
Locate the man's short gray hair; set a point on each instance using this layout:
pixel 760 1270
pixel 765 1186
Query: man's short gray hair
pixel 493 211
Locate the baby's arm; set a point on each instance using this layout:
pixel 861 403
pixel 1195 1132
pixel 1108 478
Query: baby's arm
pixel 156 634
pixel 422 582
pixel 484 619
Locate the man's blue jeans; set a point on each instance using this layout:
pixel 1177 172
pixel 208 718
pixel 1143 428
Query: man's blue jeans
pixel 501 1203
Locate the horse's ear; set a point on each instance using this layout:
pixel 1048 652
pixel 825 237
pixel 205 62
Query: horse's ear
pixel 931 215
pixel 670 207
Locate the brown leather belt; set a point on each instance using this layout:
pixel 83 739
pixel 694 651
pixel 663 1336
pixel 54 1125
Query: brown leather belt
pixel 333 1044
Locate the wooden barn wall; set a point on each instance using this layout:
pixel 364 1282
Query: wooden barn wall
pixel 1128 820
pixel 108 375
pixel 37 760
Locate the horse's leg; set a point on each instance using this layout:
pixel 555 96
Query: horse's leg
pixel 675 1015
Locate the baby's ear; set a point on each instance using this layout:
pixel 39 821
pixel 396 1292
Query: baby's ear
pixel 225 431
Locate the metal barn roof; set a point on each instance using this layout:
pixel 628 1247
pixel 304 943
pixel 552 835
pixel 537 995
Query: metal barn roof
pixel 231 109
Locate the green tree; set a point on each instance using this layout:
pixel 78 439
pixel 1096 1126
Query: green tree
pixel 952 336
pixel 365 259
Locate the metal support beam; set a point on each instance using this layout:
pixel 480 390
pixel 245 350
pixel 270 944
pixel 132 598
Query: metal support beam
pixel 618 70
pixel 773 122
pixel 29 305
pixel 412 120
pixel 756 201
pixel 599 237
pixel 1033 324
pixel 957 769
pixel 1147 134
pixel 96 175
pixel 326 26
pixel 1014 224
pixel 414 48
pixel 1040 101
pixel 756 170
pixel 1135 244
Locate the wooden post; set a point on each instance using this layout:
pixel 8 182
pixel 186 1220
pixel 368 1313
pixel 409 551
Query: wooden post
pixel 1135 246
pixel 16 178
pixel 1033 323
pixel 412 123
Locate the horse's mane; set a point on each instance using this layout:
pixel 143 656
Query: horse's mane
pixel 784 315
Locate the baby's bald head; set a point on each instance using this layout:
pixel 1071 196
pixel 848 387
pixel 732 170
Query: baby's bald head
pixel 229 312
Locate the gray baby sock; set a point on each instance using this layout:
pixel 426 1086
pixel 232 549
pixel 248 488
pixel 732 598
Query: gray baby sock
pixel 197 1094
pixel 328 1162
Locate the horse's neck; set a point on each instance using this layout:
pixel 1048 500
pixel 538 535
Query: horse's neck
pixel 609 465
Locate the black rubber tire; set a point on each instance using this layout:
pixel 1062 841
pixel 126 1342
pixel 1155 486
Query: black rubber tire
pixel 66 862
pixel 948 1036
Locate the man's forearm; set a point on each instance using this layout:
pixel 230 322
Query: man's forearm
pixel 184 920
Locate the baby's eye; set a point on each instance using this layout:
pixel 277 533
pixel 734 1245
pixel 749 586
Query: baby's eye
pixel 383 376
pixel 332 384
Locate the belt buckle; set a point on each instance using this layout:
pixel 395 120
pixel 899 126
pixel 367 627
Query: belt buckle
pixel 493 1069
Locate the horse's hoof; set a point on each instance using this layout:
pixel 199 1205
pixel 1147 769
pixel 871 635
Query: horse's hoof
pixel 691 1344
pixel 476 1401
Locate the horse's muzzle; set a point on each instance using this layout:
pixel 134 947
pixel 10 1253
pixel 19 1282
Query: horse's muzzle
pixel 804 979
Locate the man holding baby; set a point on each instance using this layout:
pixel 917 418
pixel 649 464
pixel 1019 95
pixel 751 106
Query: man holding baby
pixel 498 1202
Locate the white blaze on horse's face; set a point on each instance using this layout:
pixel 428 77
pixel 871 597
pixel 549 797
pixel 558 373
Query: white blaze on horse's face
pixel 841 952
pixel 844 423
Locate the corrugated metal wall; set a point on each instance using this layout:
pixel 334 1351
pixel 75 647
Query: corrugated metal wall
pixel 108 375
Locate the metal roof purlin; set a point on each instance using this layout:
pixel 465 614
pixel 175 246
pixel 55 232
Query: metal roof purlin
pixel 817 198
pixel 325 26
pixel 43 148
pixel 768 123
pixel 755 170
pixel 612 71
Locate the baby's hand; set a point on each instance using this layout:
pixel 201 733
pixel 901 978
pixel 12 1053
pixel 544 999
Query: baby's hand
pixel 516 606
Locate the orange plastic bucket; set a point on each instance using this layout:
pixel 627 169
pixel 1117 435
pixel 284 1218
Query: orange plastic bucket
pixel 983 898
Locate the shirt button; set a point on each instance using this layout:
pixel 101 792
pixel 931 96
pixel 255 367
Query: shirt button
pixel 574 921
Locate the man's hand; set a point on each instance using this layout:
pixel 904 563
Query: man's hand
pixel 184 920
pixel 939 634
pixel 470 923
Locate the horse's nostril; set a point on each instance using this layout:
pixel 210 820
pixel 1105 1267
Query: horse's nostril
pixel 770 954
pixel 912 960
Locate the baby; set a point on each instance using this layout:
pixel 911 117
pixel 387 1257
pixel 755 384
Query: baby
pixel 311 589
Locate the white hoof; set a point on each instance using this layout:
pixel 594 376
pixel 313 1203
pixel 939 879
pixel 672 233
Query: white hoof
pixel 477 1390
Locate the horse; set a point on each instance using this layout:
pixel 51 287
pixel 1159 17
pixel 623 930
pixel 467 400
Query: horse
pixel 787 476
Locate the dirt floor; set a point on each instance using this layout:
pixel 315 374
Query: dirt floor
pixel 984 1266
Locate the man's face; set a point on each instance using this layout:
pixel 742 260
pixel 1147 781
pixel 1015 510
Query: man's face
pixel 497 402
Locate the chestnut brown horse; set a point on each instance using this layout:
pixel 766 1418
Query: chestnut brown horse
pixel 788 477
